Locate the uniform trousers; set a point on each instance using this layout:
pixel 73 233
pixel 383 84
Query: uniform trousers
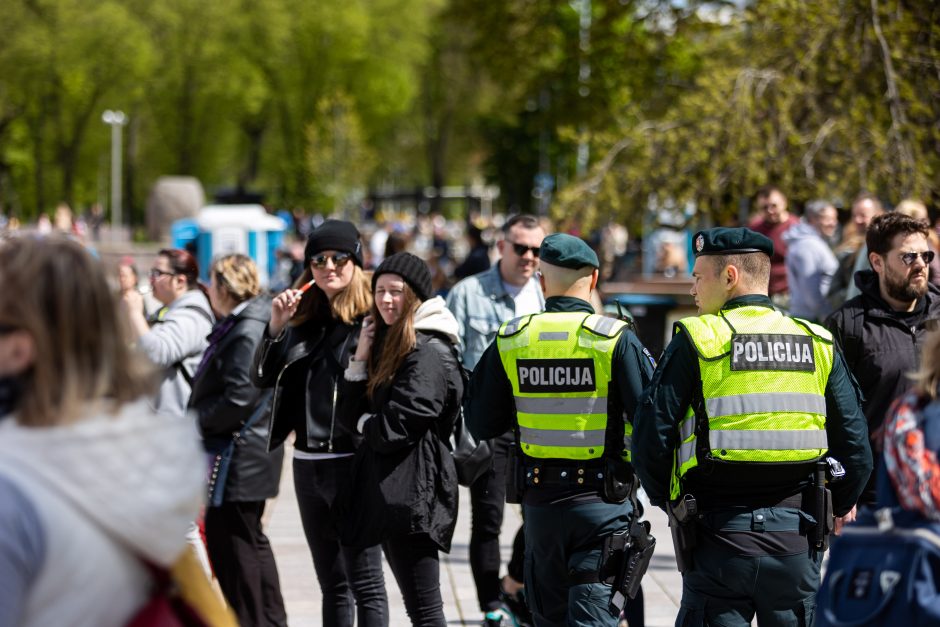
pixel 726 588
pixel 243 562
pixel 566 539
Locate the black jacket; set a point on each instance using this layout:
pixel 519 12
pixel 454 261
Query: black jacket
pixel 224 398
pixel 403 480
pixel 881 347
pixel 305 366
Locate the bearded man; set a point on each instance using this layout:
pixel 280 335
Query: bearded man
pixel 881 331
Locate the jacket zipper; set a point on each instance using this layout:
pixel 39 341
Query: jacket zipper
pixel 332 416
pixel 277 384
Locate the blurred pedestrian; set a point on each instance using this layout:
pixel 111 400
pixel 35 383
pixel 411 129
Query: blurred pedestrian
pixel 234 419
pixel 775 219
pixel 178 336
pixel 305 349
pixel 810 262
pixel 93 486
pixel 402 392
pixel 129 280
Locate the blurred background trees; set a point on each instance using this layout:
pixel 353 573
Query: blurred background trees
pixel 573 107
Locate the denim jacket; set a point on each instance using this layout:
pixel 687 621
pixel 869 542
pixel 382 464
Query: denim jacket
pixel 480 304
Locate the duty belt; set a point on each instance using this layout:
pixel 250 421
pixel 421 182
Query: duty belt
pixel 563 475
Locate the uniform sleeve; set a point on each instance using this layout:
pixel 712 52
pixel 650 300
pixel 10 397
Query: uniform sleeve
pixel 656 425
pixel 22 552
pixel 847 431
pixel 633 371
pixel 490 410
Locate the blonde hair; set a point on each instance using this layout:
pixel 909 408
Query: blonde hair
pixel 927 377
pixel 392 343
pixel 350 304
pixel 913 208
pixel 238 275
pixel 55 291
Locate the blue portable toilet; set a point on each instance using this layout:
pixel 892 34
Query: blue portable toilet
pixel 225 229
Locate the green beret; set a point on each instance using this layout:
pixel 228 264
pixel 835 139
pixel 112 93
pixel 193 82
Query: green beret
pixel 726 241
pixel 567 251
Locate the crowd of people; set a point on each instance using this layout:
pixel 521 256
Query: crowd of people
pixel 142 425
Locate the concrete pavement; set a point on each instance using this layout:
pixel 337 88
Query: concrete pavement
pixel 662 585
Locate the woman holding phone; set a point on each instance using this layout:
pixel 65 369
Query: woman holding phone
pixel 311 335
pixel 402 392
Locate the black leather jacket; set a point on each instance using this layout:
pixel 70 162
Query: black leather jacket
pixel 305 367
pixel 224 399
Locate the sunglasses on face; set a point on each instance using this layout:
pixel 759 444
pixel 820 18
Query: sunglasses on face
pixel 909 258
pixel 522 250
pixel 339 260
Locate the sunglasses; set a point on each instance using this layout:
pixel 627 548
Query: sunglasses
pixel 522 250
pixel 339 260
pixel 909 258
pixel 156 273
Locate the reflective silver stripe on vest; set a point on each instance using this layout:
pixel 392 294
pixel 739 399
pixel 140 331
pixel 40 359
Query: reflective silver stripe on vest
pixel 590 405
pixel 768 440
pixel 686 429
pixel 627 442
pixel 765 403
pixel 554 336
pixel 601 326
pixel 513 325
pixel 686 452
pixel 542 437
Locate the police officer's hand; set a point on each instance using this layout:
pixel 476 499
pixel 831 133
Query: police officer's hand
pixel 283 307
pixel 844 520
pixel 366 335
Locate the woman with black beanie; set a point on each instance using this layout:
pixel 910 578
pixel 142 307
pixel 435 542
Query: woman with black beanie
pixel 402 391
pixel 313 331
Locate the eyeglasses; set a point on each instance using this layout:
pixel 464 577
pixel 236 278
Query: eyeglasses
pixel 156 273
pixel 909 258
pixel 339 260
pixel 522 250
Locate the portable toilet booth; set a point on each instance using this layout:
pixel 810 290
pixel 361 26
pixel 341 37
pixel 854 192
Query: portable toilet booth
pixel 225 229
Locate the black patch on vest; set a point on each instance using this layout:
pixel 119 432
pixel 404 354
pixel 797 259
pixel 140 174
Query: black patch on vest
pixel 772 351
pixel 556 375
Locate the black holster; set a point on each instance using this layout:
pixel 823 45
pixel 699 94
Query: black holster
pixel 682 516
pixel 620 482
pixel 625 558
pixel 825 521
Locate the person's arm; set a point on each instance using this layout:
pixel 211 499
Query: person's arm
pixel 457 303
pixel 490 410
pixel 633 371
pixel 182 333
pixel 656 425
pixel 224 413
pixel 847 432
pixel 22 552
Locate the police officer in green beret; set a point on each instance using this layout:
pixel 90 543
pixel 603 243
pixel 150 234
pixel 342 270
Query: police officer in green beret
pixel 567 381
pixel 752 437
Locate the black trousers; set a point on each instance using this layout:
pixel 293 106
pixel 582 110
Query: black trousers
pixel 344 573
pixel 243 562
pixel 487 502
pixel 415 562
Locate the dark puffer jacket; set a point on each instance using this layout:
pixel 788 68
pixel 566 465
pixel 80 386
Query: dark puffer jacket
pixel 305 367
pixel 224 398
pixel 881 347
pixel 404 480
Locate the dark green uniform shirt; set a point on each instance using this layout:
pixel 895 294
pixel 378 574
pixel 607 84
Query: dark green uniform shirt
pixel 656 437
pixel 490 410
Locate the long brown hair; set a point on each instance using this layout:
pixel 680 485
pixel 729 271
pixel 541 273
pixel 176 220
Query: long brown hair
pixel 349 305
pixel 55 291
pixel 927 377
pixel 392 343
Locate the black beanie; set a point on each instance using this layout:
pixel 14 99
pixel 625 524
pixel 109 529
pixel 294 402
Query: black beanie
pixel 410 268
pixel 337 235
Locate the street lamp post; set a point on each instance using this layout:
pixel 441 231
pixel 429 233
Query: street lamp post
pixel 116 119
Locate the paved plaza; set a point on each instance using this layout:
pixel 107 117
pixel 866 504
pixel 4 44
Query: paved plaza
pixel 662 584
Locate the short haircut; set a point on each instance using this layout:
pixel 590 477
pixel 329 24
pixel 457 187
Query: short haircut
pixel 767 190
pixel 755 265
pixel 885 227
pixel 869 196
pixel 814 208
pixel 525 220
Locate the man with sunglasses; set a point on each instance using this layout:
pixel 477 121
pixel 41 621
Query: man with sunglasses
pixel 881 331
pixel 481 303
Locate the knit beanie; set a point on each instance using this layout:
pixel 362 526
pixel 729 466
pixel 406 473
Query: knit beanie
pixel 337 235
pixel 410 268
